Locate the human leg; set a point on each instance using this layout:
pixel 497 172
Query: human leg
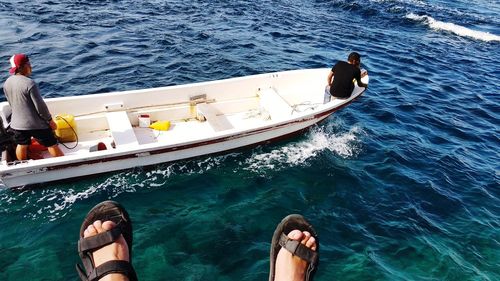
pixel 117 250
pixel 22 139
pixel 290 267
pixel 22 151
pixel 327 96
pixel 55 151
pixel 105 244
pixel 46 138
pixel 294 250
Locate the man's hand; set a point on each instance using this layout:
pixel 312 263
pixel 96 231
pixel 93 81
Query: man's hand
pixel 52 125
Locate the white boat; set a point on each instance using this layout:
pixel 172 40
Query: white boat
pixel 205 118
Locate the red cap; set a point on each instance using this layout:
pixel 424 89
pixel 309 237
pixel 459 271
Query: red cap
pixel 17 61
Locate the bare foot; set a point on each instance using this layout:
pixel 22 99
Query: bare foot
pixel 114 251
pixel 293 268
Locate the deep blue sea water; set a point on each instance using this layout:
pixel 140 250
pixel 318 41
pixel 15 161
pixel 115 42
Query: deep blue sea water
pixel 401 185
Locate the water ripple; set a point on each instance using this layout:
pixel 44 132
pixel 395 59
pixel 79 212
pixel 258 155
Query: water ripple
pixel 402 184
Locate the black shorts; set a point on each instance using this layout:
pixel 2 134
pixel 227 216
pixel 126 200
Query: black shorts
pixel 44 136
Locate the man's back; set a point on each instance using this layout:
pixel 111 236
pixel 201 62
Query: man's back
pixel 29 111
pixel 342 85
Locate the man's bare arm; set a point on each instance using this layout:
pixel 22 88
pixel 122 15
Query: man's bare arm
pixel 330 80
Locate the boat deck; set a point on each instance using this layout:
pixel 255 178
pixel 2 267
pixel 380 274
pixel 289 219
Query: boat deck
pixel 179 131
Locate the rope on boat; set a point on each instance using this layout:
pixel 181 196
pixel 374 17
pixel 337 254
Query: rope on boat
pixel 311 106
pixel 159 106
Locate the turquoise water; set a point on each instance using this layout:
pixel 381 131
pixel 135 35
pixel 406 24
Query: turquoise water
pixel 401 185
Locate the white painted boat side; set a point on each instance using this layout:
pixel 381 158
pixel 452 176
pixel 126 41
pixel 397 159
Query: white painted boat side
pixel 33 175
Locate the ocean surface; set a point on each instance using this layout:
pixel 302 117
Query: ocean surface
pixel 403 184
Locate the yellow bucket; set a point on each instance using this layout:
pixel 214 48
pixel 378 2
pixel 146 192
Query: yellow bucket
pixel 66 127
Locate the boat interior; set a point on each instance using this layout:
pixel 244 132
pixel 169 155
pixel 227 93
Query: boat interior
pixel 118 126
pixel 189 112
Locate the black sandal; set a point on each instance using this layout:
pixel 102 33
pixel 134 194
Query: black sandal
pixel 105 211
pixel 281 240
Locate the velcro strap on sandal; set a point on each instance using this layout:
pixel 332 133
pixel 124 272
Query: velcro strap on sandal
pixel 298 249
pixel 99 240
pixel 114 266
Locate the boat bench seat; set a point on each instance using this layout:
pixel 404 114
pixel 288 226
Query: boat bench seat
pixel 216 119
pixel 274 104
pixel 121 129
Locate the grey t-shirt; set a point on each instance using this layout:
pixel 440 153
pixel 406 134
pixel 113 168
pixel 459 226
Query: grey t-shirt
pixel 29 111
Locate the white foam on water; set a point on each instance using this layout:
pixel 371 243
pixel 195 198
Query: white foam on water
pixel 188 167
pixel 164 172
pixel 454 28
pixel 56 203
pixel 159 176
pixel 295 154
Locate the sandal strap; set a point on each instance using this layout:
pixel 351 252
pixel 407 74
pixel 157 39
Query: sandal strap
pixel 99 240
pixel 298 249
pixel 114 266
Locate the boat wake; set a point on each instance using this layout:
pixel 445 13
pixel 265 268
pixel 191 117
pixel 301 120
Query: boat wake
pixel 319 140
pixel 453 28
pixel 57 202
pixel 329 139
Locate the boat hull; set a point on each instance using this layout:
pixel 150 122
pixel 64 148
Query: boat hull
pixel 82 168
pixel 197 138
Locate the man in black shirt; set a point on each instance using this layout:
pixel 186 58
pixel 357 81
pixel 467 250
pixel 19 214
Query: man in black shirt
pixel 340 79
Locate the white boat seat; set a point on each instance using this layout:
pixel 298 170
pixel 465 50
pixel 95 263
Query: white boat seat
pixel 274 104
pixel 216 119
pixel 121 129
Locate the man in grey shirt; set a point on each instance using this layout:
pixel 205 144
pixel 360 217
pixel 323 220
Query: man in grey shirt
pixel 30 115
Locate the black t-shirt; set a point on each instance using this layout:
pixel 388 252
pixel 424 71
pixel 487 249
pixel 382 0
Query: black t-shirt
pixel 343 85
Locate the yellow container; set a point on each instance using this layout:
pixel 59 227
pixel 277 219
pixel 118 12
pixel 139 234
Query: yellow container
pixel 66 127
pixel 160 125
